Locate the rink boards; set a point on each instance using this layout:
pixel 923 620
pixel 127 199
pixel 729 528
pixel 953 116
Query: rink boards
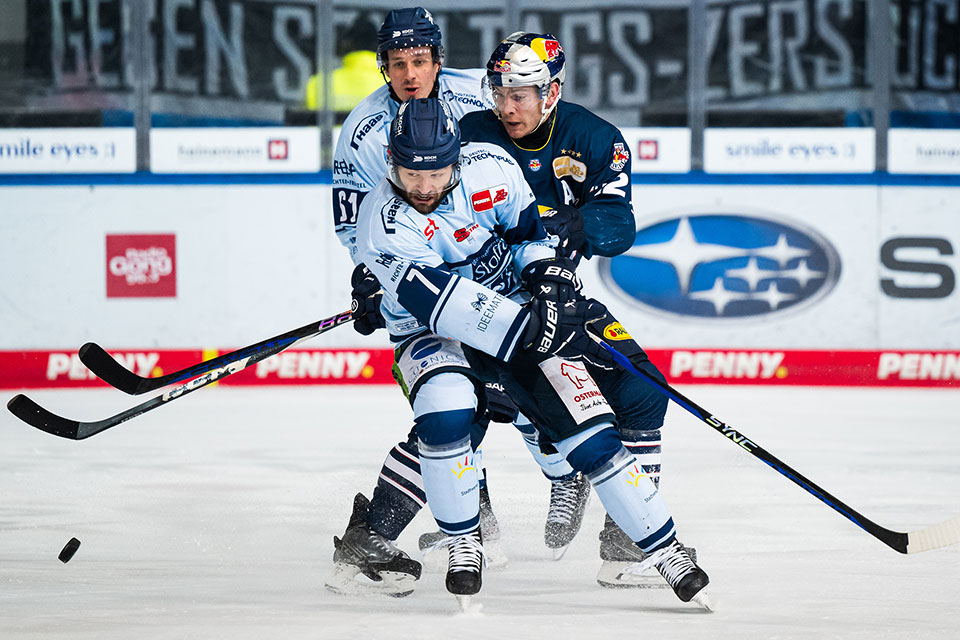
pixel 767 279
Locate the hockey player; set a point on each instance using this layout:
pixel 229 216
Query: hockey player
pixel 410 53
pixel 451 250
pixel 578 166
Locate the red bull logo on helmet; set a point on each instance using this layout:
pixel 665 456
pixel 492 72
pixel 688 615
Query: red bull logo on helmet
pixel 548 50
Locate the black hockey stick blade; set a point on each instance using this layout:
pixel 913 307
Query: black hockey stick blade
pixel 36 416
pixel 116 375
pixel 933 537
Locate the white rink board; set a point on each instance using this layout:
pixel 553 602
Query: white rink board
pixel 797 150
pixel 929 151
pixel 68 150
pixel 254 261
pixel 235 150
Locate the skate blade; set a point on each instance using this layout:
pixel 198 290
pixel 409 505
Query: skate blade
pixel 348 580
pixel 560 551
pixel 614 575
pixel 467 606
pixel 703 599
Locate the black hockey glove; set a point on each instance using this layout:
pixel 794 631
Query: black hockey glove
pixel 559 329
pixel 554 279
pixel 500 407
pixel 565 222
pixel 365 304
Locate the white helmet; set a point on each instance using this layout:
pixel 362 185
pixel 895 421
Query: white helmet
pixel 526 60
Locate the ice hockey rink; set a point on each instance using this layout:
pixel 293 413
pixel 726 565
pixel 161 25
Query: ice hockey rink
pixel 214 518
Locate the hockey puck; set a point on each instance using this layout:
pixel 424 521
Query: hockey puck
pixel 68 550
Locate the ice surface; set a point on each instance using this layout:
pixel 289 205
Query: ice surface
pixel 214 518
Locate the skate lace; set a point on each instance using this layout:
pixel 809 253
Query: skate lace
pixel 564 499
pixel 382 545
pixel 672 562
pixel 466 552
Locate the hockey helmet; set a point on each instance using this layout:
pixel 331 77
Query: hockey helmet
pixel 406 28
pixel 424 136
pixel 527 60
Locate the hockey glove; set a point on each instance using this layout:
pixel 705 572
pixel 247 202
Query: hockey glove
pixel 565 222
pixel 554 279
pixel 500 407
pixel 365 304
pixel 559 330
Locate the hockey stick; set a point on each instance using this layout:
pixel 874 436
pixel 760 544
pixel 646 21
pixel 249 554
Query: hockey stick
pixel 116 375
pixel 939 535
pixel 40 418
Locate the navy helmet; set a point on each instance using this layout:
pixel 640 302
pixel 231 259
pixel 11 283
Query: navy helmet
pixel 424 136
pixel 406 28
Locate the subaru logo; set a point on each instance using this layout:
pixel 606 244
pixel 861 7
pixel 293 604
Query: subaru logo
pixel 720 265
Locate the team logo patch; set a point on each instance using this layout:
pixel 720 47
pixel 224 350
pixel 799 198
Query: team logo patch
pixel 503 66
pixel 486 199
pixel 620 156
pixel 567 166
pixel 534 164
pixel 615 331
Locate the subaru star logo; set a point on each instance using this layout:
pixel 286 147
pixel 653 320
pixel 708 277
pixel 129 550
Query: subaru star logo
pixel 717 265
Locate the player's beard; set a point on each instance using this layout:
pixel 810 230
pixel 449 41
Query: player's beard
pixel 421 204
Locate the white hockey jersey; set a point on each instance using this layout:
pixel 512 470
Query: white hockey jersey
pixel 360 158
pixel 453 271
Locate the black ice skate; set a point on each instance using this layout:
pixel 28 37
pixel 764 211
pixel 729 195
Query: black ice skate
pixel 465 565
pixel 366 562
pixel 568 501
pixel 681 573
pixel 489 530
pixel 620 555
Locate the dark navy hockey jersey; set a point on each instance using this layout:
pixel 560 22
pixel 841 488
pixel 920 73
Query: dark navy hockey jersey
pixel 585 163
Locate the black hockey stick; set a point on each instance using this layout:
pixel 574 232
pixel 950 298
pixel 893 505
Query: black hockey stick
pixel 40 418
pixel 939 535
pixel 116 375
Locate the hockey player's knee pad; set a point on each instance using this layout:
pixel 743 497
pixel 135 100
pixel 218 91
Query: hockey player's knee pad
pixel 592 452
pixel 444 427
pixel 445 408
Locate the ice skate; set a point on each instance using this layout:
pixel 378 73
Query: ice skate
pixel 366 562
pixel 619 554
pixel 489 530
pixel 568 501
pixel 465 564
pixel 681 572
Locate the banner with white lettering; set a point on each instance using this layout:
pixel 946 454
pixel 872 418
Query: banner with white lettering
pixel 56 369
pixel 93 150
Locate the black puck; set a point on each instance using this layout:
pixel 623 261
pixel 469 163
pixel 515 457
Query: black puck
pixel 68 550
